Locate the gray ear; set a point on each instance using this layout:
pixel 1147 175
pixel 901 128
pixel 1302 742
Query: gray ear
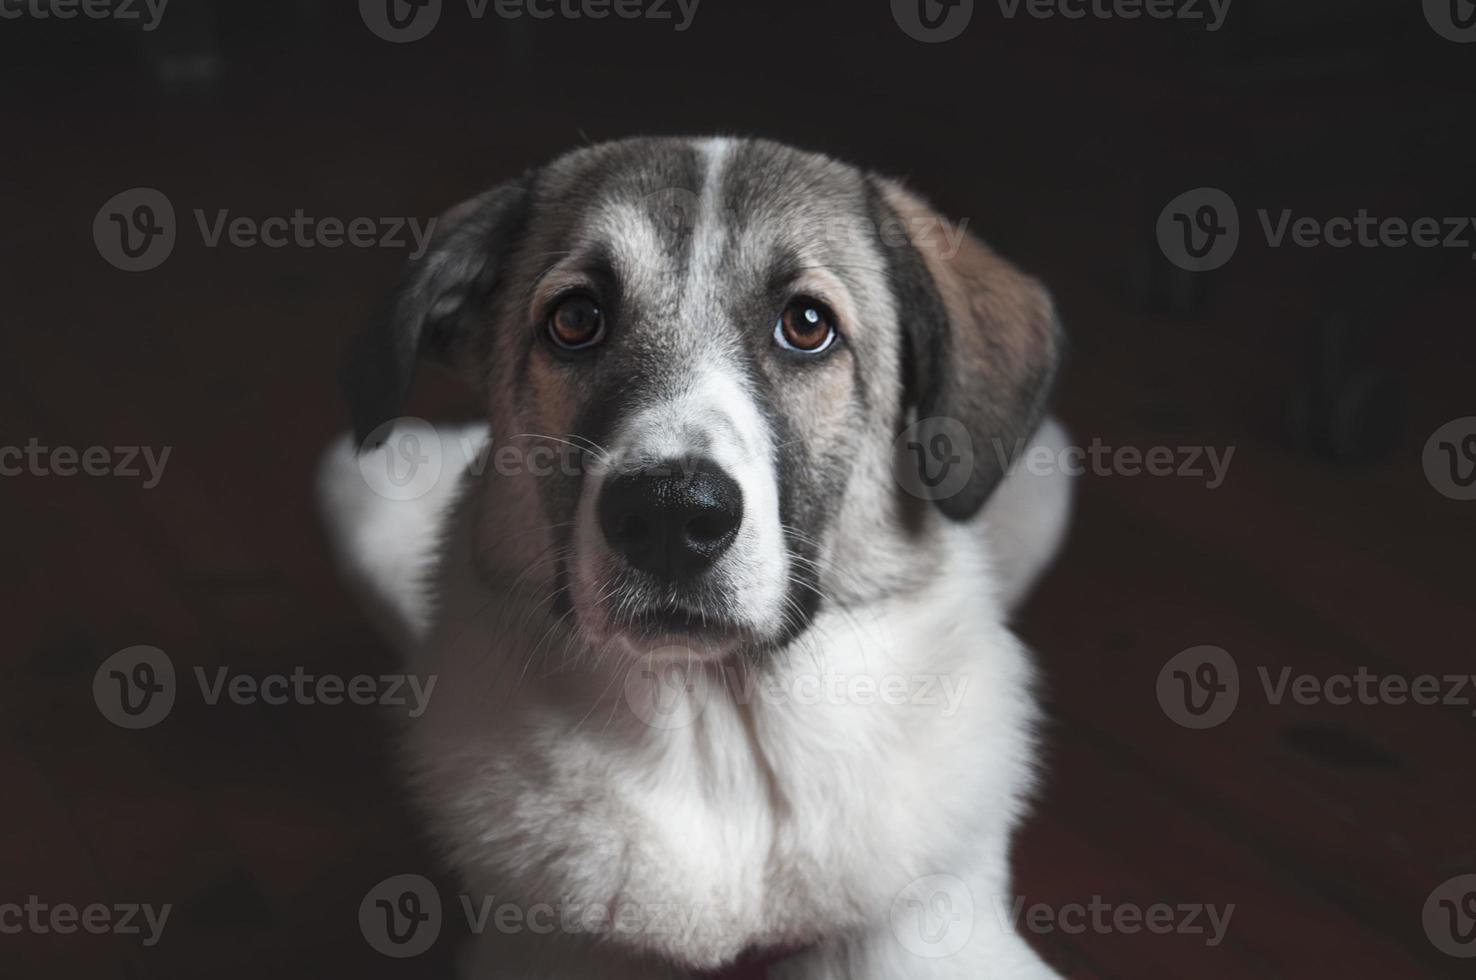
pixel 982 338
pixel 434 309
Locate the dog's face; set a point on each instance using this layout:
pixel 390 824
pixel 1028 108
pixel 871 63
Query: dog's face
pixel 730 335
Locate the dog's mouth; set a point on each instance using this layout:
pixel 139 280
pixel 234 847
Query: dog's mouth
pixel 681 631
pixel 683 622
pixel 635 622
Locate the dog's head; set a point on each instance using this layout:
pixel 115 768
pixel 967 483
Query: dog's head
pixel 733 334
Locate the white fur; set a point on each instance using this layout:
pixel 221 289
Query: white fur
pixel 1026 519
pixel 764 822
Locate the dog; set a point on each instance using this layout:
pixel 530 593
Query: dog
pixel 728 684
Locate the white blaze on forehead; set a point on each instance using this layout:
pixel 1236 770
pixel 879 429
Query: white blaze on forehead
pixel 712 227
pixel 638 233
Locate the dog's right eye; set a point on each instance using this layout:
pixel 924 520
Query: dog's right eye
pixel 576 323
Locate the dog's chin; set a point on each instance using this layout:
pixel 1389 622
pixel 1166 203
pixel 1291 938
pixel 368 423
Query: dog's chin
pixel 665 633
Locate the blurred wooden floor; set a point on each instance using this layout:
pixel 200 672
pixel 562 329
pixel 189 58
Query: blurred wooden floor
pixel 1326 827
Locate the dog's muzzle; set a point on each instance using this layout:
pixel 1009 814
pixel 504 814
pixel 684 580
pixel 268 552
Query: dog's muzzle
pixel 672 520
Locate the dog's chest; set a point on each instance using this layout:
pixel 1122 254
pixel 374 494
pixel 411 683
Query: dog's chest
pixel 746 829
pixel 743 826
pixel 766 821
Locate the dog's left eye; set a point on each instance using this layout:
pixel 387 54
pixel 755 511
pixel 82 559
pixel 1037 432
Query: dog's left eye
pixel 806 326
pixel 576 323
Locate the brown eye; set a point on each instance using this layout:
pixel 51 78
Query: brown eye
pixel 576 323
pixel 806 326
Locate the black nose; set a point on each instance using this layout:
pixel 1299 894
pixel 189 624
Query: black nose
pixel 671 519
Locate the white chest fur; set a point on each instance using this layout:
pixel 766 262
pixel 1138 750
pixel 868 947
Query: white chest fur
pixel 707 809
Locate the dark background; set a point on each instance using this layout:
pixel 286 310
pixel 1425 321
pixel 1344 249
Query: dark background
pixel 1326 548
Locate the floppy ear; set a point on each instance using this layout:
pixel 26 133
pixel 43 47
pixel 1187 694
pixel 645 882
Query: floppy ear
pixel 982 341
pixel 436 305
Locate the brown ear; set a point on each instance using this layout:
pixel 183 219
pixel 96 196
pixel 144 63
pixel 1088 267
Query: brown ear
pixel 433 309
pixel 983 341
